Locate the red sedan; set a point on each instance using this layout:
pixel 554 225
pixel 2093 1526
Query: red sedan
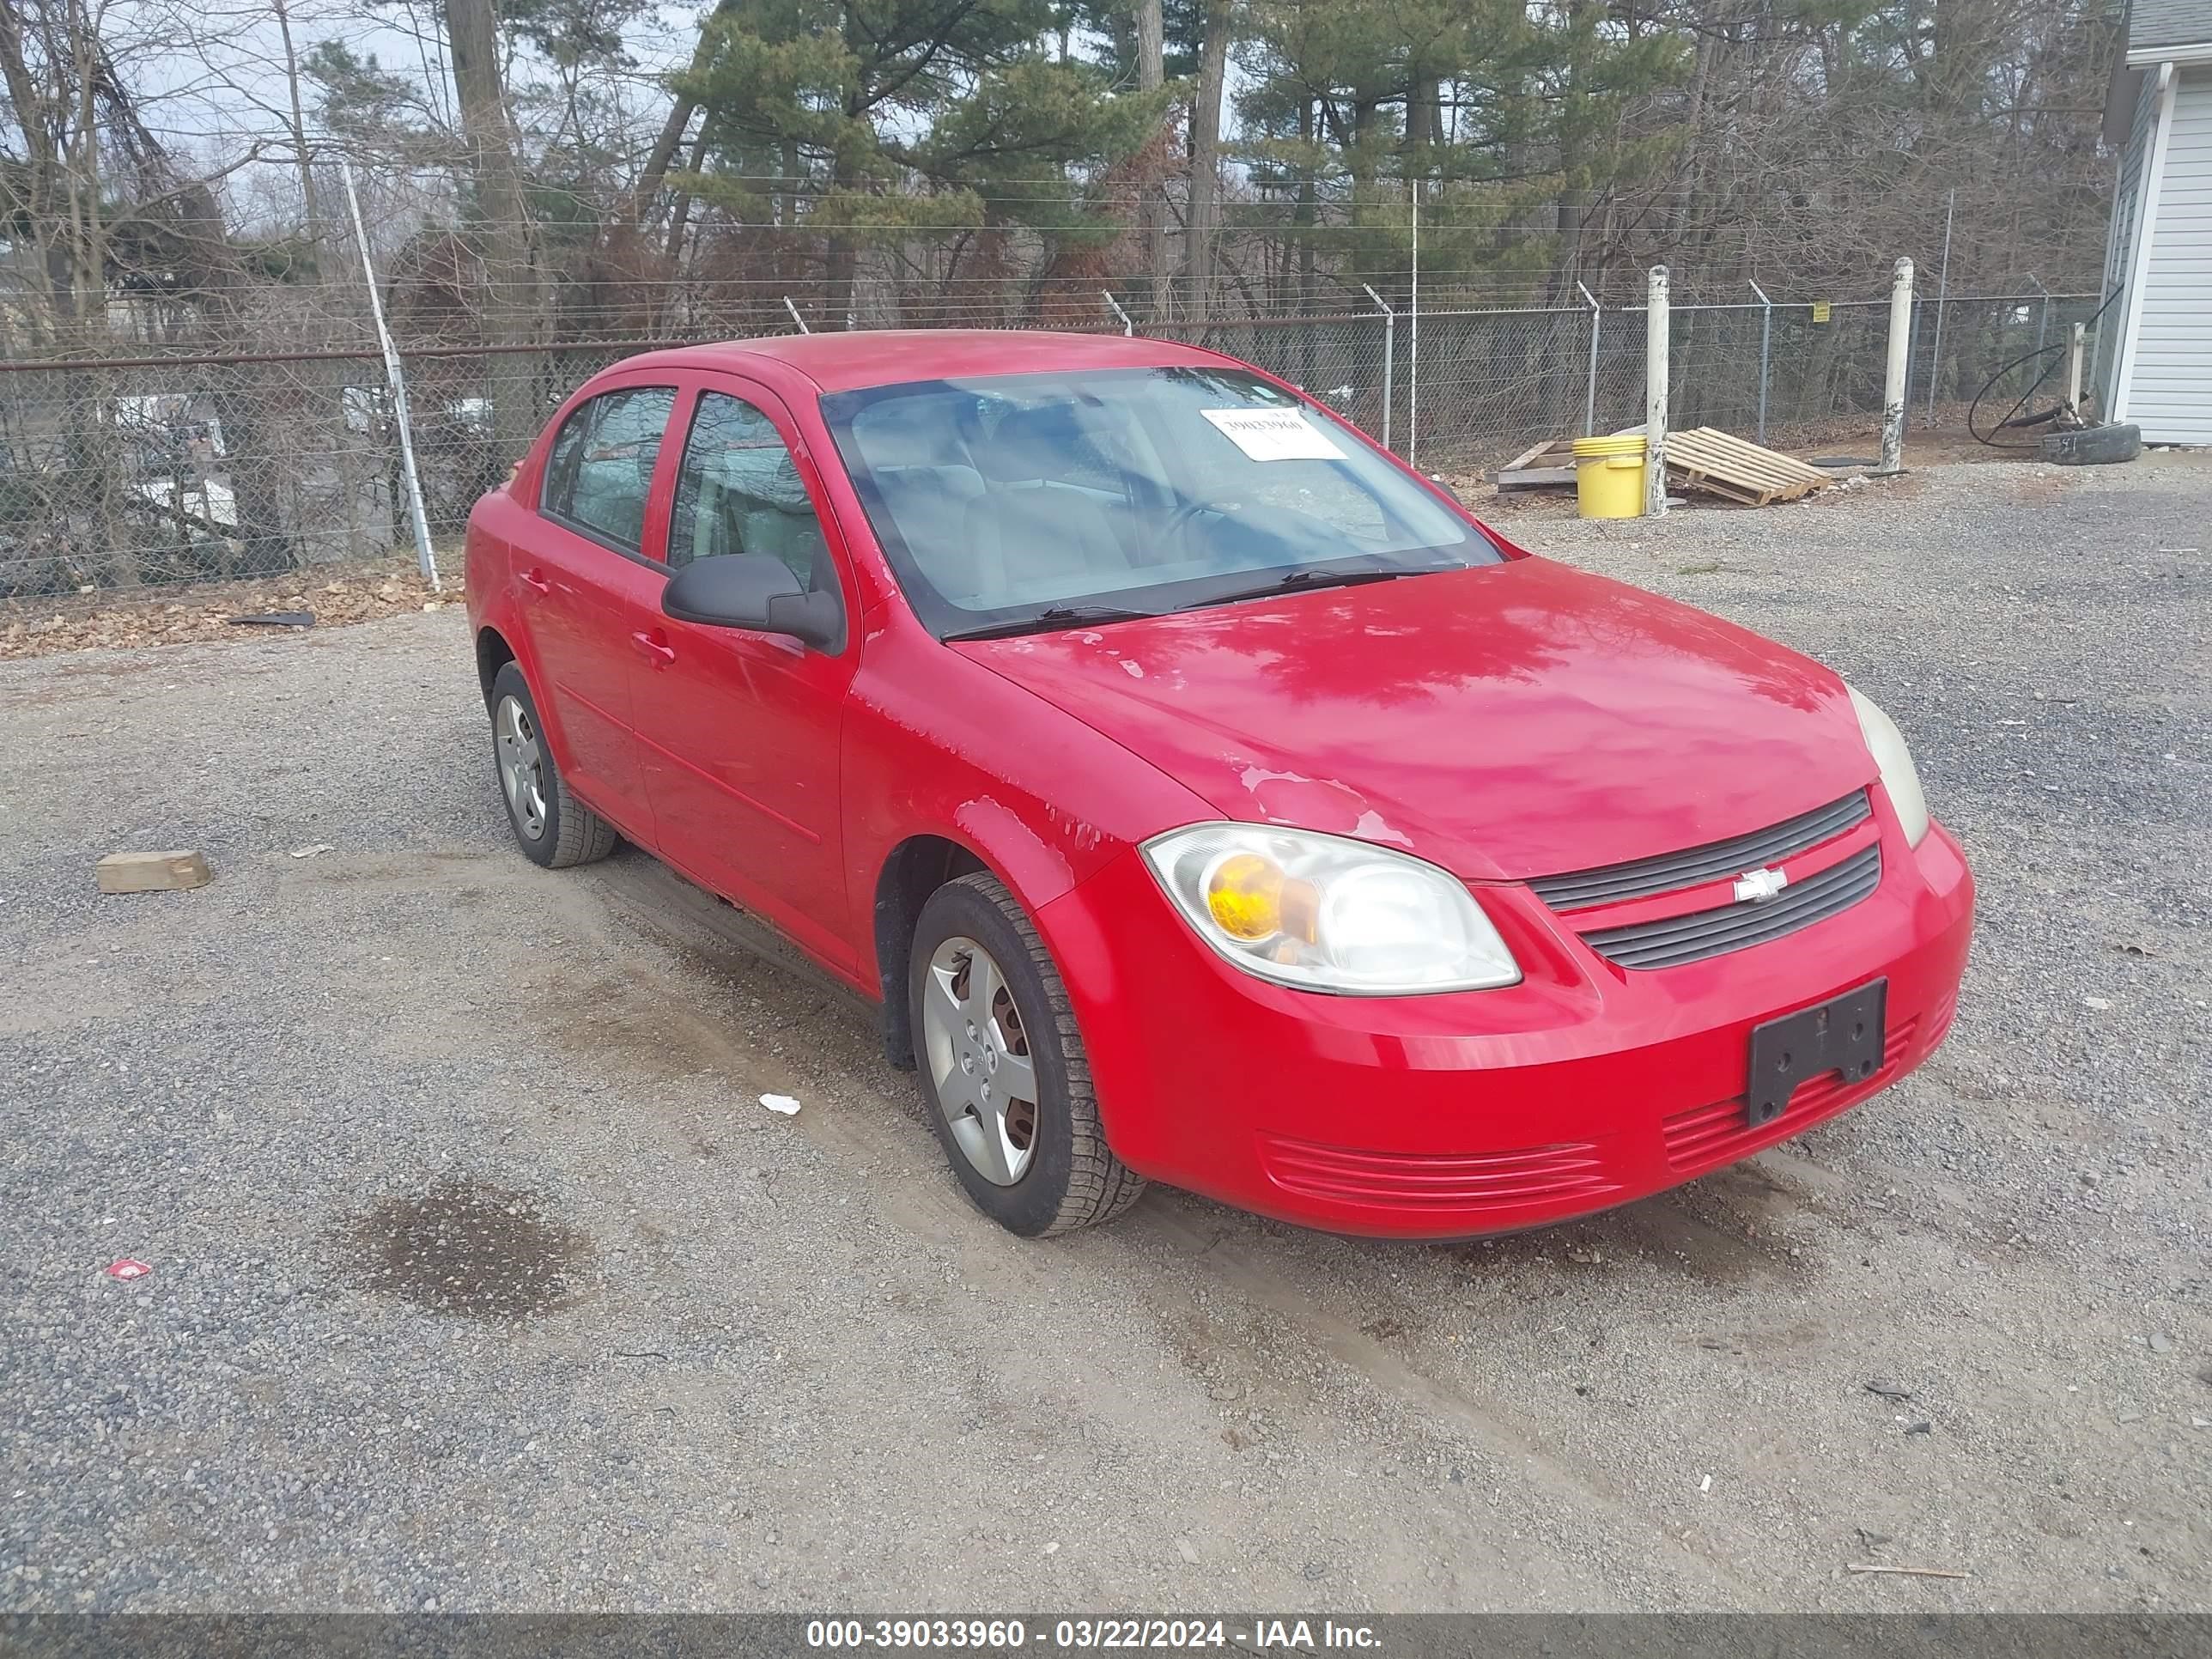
pixel 1204 796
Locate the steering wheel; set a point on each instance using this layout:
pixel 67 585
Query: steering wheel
pixel 1179 521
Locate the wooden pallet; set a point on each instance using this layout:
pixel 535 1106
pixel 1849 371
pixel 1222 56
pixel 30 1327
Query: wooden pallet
pixel 1707 458
pixel 1551 462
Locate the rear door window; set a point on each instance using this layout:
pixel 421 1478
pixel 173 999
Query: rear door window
pixel 600 471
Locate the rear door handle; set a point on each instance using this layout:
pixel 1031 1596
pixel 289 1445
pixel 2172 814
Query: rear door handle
pixel 656 648
pixel 536 579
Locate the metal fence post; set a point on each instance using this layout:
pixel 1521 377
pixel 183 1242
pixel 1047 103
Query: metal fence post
pixel 1655 397
pixel 1389 345
pixel 1589 391
pixel 1413 391
pixel 1892 391
pixel 793 309
pixel 1112 305
pixel 1943 288
pixel 2043 324
pixel 426 560
pixel 1765 345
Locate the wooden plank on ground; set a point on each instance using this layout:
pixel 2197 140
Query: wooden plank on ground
pixel 1720 464
pixel 1551 462
pixel 152 873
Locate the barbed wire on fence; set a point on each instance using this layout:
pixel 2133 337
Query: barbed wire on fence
pixel 171 461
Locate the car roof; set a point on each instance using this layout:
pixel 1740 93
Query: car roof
pixel 871 357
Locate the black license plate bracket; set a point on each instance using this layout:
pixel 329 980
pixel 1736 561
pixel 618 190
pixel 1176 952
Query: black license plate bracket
pixel 1844 1034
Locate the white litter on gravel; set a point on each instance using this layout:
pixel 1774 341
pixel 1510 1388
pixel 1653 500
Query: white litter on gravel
pixel 783 1103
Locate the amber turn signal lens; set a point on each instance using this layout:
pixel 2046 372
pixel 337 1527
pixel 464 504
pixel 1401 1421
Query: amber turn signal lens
pixel 1250 898
pixel 1245 897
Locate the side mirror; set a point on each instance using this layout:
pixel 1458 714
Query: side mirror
pixel 751 590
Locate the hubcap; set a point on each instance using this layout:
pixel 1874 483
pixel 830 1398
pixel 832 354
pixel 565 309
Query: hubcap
pixel 979 1059
pixel 521 767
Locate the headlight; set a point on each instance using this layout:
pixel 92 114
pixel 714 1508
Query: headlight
pixel 1894 760
pixel 1325 914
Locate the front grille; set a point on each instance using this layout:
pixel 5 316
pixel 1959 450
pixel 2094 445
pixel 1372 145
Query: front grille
pixel 1707 1135
pixel 1456 1181
pixel 1674 941
pixel 1641 877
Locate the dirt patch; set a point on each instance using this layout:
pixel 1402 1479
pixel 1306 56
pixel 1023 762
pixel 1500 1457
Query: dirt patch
pixel 1721 1230
pixel 465 1248
pixel 113 619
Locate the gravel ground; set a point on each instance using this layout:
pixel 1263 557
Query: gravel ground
pixel 480 1280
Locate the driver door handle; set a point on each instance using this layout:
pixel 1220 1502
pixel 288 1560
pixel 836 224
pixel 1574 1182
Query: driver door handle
pixel 656 648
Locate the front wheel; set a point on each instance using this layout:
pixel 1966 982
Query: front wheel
pixel 1002 1067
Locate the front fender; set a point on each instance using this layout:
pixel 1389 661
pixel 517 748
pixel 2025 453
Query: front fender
pixel 941 752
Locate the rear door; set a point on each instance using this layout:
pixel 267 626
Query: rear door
pixel 738 732
pixel 589 591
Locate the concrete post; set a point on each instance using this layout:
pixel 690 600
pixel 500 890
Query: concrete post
pixel 1893 389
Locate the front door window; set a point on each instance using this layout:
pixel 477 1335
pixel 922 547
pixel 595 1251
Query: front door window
pixel 740 491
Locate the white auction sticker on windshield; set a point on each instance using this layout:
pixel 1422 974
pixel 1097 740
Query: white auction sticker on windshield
pixel 1274 435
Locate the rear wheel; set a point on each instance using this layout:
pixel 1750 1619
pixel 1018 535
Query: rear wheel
pixel 1003 1069
pixel 551 826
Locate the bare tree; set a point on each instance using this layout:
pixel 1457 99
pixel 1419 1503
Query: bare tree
pixel 1206 155
pixel 1152 76
pixel 513 301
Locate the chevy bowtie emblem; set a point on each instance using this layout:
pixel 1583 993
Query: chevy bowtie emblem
pixel 1754 885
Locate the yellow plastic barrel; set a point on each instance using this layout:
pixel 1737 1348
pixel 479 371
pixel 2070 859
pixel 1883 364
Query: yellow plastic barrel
pixel 1609 477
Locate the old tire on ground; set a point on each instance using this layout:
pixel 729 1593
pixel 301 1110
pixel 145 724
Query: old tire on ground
pixel 551 826
pixel 2093 446
pixel 1002 1067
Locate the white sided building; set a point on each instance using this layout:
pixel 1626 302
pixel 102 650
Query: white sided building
pixel 2155 352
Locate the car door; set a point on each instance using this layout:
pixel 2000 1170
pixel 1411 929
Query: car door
pixel 590 593
pixel 739 731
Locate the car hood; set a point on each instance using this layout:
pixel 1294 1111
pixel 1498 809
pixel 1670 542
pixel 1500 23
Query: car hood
pixel 1504 721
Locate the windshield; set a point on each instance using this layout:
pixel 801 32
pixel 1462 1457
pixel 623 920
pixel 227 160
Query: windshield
pixel 1049 499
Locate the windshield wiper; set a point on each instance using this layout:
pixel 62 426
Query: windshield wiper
pixel 1052 617
pixel 1298 581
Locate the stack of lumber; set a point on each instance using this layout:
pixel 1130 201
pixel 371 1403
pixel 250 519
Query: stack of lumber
pixel 1551 462
pixel 1702 459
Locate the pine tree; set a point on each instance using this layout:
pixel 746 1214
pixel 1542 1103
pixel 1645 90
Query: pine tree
pixel 898 117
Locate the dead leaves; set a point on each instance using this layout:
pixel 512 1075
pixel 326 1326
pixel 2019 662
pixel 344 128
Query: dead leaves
pixel 129 618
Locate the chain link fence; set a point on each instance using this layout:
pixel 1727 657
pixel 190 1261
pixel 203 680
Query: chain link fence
pixel 119 472
pixel 187 464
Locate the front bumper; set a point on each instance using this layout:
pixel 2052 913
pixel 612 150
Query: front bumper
pixel 1584 1086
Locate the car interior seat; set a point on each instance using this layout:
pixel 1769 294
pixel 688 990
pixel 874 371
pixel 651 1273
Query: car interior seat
pixel 926 482
pixel 1032 529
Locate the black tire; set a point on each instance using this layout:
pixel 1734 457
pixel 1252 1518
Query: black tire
pixel 2093 446
pixel 1072 1179
pixel 570 832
